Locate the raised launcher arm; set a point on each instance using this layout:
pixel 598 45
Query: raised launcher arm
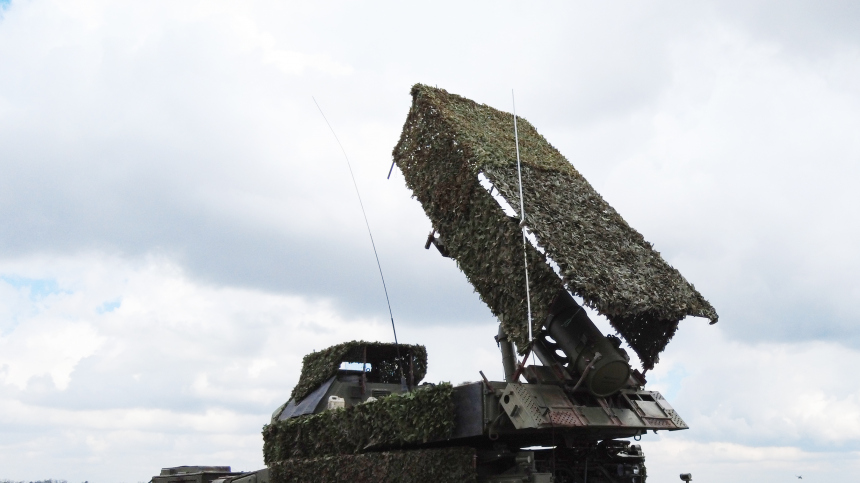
pixel 573 351
pixel 574 348
pixel 584 389
pixel 469 170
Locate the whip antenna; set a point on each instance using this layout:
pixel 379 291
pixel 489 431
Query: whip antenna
pixel 522 216
pixel 367 223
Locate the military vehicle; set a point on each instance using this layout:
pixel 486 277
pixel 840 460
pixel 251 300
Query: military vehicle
pixel 570 400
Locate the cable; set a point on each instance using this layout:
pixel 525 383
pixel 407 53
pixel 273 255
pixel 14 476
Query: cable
pixel 522 217
pixel 378 265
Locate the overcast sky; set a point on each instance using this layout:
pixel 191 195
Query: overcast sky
pixel 178 227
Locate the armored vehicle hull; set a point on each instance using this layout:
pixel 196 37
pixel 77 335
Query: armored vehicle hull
pixel 355 426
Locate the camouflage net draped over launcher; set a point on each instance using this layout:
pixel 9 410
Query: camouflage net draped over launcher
pixel 449 140
pixel 399 420
pixel 446 465
pixel 318 367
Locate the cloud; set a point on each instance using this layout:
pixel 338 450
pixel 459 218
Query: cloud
pixel 177 371
pixel 179 228
pixel 151 146
pixel 766 165
pixel 46 347
pixel 183 372
pixel 811 30
pixel 762 394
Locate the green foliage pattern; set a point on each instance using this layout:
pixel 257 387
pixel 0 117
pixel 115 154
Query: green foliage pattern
pixel 318 367
pixel 425 414
pixel 445 465
pixel 448 140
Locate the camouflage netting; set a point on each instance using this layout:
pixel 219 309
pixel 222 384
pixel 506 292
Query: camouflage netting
pixel 318 367
pixel 394 421
pixel 447 465
pixel 448 141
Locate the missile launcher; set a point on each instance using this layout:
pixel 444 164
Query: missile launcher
pixel 360 411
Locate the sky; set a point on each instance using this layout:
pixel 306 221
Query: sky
pixel 178 226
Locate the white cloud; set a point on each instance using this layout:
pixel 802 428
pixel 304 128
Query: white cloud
pixel 163 164
pixel 175 363
pixel 52 347
pixel 750 173
pixel 772 394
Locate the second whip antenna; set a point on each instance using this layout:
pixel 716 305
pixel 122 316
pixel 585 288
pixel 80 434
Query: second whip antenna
pixel 522 218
